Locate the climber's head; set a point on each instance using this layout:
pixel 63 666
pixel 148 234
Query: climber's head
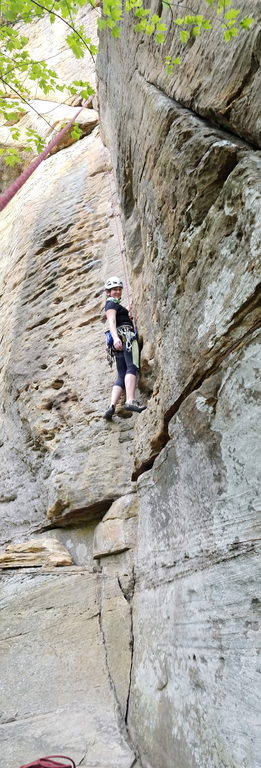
pixel 114 286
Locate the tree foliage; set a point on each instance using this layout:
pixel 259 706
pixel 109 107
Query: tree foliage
pixel 18 69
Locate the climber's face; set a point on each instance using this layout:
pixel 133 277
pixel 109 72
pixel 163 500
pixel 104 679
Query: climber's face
pixel 116 293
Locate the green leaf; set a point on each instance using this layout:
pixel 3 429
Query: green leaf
pixel 229 33
pixel 189 19
pixel 206 24
pixel 141 12
pixel 15 133
pixel 184 36
pixel 232 14
pixel 12 156
pixel 223 5
pixel 160 38
pixel 101 23
pixel 171 63
pixel 246 22
pixel 149 29
pixel 140 27
pixel 130 4
pixel 76 132
pixel 75 44
pixel 115 32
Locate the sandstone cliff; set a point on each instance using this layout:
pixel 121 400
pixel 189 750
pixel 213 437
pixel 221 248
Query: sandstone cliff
pixel 190 196
pixel 144 652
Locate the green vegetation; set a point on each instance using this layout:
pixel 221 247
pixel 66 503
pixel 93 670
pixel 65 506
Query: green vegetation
pixel 18 69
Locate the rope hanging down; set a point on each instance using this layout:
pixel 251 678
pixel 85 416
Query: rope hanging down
pixel 11 191
pixel 121 248
pixel 51 762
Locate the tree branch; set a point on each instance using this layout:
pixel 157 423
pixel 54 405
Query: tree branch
pixel 34 2
pixel 27 102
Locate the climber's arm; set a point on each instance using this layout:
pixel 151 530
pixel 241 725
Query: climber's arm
pixel 111 317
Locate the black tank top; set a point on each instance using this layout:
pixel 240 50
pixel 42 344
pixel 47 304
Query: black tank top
pixel 122 315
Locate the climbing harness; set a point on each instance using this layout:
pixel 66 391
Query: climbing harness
pixel 51 762
pixel 127 335
pixel 121 248
pixel 129 338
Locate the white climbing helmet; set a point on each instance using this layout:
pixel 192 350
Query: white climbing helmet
pixel 113 282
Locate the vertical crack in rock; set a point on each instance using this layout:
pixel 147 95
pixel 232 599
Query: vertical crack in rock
pixel 128 595
pixel 122 717
pixel 83 757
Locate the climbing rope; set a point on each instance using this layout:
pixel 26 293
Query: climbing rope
pixel 50 762
pixel 18 183
pixel 121 248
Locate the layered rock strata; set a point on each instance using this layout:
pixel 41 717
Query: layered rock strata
pixel 190 195
pixel 62 465
pixel 35 552
pixel 61 699
pixel 145 650
pixel 64 680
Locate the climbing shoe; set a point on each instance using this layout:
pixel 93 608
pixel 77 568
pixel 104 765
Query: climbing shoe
pixel 134 407
pixel 109 413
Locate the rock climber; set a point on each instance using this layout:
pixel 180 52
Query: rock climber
pixel 125 348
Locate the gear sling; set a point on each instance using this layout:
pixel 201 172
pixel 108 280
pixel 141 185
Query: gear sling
pixel 129 339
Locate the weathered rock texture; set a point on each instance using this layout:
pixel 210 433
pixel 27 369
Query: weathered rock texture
pixel 35 552
pixel 117 531
pixel 61 464
pixel 215 80
pixel 190 194
pixel 144 652
pixel 61 697
pixel 64 680
pixel 54 441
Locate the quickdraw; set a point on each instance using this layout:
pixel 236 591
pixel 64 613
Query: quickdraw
pixel 127 335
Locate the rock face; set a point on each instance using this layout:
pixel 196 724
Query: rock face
pixel 143 653
pixel 66 702
pixel 190 195
pixel 64 680
pixel 196 607
pixel 218 81
pixel 63 465
pixel 51 305
pixel 41 551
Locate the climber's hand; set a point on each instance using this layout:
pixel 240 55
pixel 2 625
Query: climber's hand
pixel 117 343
